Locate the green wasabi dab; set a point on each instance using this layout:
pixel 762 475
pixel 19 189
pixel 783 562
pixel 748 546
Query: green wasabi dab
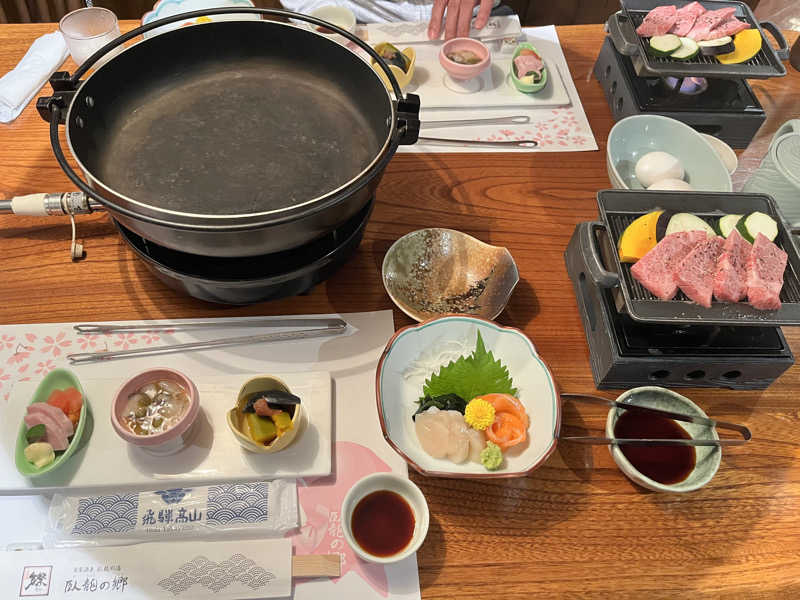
pixel 491 456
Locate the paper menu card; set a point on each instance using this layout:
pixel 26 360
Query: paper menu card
pixel 225 570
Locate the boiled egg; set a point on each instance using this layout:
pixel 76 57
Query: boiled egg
pixel 655 166
pixel 671 185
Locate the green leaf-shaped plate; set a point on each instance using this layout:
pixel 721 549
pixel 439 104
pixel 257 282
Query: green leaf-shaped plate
pixel 58 379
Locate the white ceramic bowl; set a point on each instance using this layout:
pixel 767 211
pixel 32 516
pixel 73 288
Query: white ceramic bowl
pixel 394 483
pixel 340 16
pixel 724 151
pixel 397 391
pixel 708 457
pixel 633 137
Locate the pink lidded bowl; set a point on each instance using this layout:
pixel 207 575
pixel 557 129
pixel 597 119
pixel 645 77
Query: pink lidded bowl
pixel 461 71
pixel 176 434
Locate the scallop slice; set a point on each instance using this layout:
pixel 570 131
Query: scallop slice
pixel 432 432
pixel 477 442
pixel 458 445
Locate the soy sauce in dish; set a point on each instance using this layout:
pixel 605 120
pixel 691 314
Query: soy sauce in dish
pixel 383 523
pixel 664 464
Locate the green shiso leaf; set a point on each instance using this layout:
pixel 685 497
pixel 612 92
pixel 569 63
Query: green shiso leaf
pixel 469 376
pixel 35 433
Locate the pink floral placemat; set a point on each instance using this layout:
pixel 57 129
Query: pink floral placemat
pixel 28 352
pixel 559 129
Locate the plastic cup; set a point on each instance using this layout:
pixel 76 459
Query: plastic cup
pixel 86 30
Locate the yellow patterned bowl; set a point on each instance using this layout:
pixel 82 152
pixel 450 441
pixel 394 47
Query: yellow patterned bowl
pixel 403 77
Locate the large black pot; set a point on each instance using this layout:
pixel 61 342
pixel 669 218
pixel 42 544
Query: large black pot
pixel 234 138
pixel 251 279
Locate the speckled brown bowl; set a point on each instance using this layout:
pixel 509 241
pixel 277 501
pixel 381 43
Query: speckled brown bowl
pixel 433 272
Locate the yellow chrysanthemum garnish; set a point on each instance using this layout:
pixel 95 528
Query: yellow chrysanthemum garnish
pixel 479 414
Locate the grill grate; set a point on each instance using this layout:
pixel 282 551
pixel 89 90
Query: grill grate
pixel 617 224
pixel 620 207
pixel 763 65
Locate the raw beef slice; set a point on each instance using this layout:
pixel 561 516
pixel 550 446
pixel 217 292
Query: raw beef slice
pixel 730 27
pixel 656 269
pixel 658 21
pixel 765 274
pixel 686 18
pixel 695 273
pixel 707 21
pixel 730 278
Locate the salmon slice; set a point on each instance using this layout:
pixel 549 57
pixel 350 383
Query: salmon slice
pixel 510 425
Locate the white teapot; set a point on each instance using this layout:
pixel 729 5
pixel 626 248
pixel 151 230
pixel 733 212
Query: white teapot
pixel 779 172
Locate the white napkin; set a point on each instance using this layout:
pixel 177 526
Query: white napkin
pixel 19 85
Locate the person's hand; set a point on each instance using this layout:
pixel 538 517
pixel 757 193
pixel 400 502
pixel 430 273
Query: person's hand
pixel 459 15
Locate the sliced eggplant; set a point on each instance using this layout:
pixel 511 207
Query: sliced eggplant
pixel 723 45
pixel 662 223
pixel 727 224
pixel 757 222
pixel 664 45
pixel 688 222
pixel 688 50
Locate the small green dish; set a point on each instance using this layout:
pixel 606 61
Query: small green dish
pixel 58 379
pixel 527 88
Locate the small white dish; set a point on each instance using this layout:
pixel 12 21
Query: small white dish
pixel 397 390
pixel 340 16
pixel 725 152
pixel 393 483
pixel 708 458
pixel 167 8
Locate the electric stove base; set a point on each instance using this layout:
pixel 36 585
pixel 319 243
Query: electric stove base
pixel 728 109
pixel 625 354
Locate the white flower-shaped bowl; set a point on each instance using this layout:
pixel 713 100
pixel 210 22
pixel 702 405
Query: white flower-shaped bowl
pixel 398 384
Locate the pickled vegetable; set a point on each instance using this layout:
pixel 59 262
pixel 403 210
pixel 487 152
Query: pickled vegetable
pixel 261 429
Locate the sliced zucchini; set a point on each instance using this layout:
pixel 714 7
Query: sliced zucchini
pixel 664 45
pixel 688 222
pixel 688 50
pixel 727 224
pixel 757 222
pixel 722 45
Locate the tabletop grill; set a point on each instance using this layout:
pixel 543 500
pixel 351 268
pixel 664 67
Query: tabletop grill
pixel 636 82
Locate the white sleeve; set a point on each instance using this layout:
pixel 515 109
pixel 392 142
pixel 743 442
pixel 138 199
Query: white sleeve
pixel 372 11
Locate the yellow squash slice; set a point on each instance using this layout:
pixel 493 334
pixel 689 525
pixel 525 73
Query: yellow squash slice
pixel 638 238
pixel 746 45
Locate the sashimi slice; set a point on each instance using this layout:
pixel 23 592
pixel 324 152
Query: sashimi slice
pixel 477 442
pixel 432 432
pixel 57 415
pixel 53 435
pixel 69 401
pixel 506 431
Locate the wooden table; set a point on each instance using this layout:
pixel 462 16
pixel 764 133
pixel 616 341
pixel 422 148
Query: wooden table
pixel 576 527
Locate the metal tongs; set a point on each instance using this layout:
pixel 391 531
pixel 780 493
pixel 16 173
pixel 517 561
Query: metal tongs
pixel 309 328
pixel 741 429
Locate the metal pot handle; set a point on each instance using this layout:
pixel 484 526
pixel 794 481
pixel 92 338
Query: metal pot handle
pixel 54 108
pixel 599 274
pixel 782 51
pixel 620 30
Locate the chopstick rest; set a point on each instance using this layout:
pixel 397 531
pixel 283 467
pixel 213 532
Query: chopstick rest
pixel 740 429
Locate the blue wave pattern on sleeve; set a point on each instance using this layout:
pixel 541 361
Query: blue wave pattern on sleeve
pixel 115 513
pixel 238 503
